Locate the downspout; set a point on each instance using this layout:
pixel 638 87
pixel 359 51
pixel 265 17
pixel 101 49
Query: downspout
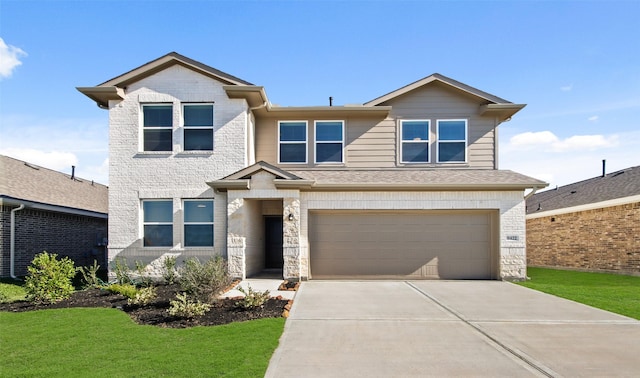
pixel 12 258
pixel 533 191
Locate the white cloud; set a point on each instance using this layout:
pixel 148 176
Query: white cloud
pixel 533 139
pixel 9 58
pixel 549 142
pixel 578 160
pixel 567 88
pixel 58 144
pixel 593 118
pixel 56 160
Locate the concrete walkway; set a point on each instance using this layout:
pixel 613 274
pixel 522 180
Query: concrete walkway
pixel 449 328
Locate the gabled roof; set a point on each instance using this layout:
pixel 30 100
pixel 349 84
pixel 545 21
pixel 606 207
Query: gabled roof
pixel 241 179
pixel 22 182
pixel 494 105
pixel 112 89
pixel 617 185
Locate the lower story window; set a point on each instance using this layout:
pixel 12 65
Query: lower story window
pixel 198 223
pixel 158 223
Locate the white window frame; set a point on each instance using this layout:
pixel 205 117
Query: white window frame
pixel 306 141
pixel 143 223
pixel 144 128
pixel 185 127
pixel 316 142
pixel 466 137
pixel 185 223
pixel 428 141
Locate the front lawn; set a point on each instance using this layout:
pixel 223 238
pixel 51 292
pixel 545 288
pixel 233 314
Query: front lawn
pixel 99 342
pixel 611 292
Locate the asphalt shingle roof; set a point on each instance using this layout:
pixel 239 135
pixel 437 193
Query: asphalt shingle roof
pixel 435 177
pixel 29 182
pixel 620 184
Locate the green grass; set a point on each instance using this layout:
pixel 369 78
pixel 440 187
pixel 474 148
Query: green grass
pixel 93 342
pixel 11 291
pixel 611 292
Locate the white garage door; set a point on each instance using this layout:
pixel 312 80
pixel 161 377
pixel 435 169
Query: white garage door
pixel 412 245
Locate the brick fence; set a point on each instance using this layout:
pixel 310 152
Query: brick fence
pixel 605 239
pixel 76 236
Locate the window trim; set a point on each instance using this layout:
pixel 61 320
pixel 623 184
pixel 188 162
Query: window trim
pixel 185 127
pixel 465 141
pixel 316 142
pixel 144 128
pixel 428 141
pixel 306 141
pixel 185 223
pixel 144 223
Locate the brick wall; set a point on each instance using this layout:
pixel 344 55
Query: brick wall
pixel 606 239
pixel 69 235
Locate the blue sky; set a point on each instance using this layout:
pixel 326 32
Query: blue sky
pixel 576 64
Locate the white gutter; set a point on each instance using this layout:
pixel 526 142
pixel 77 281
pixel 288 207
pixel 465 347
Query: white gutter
pixel 533 191
pixel 12 258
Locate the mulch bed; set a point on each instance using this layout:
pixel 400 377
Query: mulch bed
pixel 156 313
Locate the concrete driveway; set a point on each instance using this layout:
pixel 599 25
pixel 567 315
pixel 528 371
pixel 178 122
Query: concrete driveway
pixel 449 328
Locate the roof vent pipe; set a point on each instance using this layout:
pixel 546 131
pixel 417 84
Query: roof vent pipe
pixel 73 172
pixel 330 101
pixel 604 164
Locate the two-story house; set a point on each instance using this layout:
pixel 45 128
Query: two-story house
pixel 404 186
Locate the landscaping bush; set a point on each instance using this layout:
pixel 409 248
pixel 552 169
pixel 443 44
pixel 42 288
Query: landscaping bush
pixel 143 296
pixel 252 299
pixel 169 271
pixel 143 279
pixel 205 281
pixel 122 271
pixel 90 279
pixel 127 290
pixel 186 308
pixel 49 279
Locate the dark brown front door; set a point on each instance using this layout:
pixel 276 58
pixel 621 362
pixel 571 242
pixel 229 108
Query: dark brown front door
pixel 273 242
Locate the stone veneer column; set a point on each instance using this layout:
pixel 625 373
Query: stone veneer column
pixel 236 238
pixel 291 238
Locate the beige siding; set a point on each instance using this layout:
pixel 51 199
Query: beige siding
pixel 373 143
pixel 437 101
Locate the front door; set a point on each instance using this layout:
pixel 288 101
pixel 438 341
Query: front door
pixel 273 242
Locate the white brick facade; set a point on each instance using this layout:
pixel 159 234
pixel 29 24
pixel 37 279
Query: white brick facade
pixel 136 175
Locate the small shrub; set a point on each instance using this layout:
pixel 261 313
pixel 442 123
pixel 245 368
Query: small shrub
pixel 122 271
pixel 143 296
pixel 252 298
pixel 3 297
pixel 169 271
pixel 205 281
pixel 186 308
pixel 90 277
pixel 49 279
pixel 144 279
pixel 127 290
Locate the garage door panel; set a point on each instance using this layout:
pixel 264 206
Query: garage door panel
pixel 371 244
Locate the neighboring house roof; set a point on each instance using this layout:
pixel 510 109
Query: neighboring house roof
pixel 38 187
pixel 113 89
pixel 494 105
pixel 383 179
pixel 598 190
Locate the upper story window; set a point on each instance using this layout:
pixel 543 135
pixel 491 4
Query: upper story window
pixel 452 141
pixel 157 122
pixel 157 223
pixel 198 223
pixel 198 127
pixel 329 141
pixel 414 147
pixel 292 142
